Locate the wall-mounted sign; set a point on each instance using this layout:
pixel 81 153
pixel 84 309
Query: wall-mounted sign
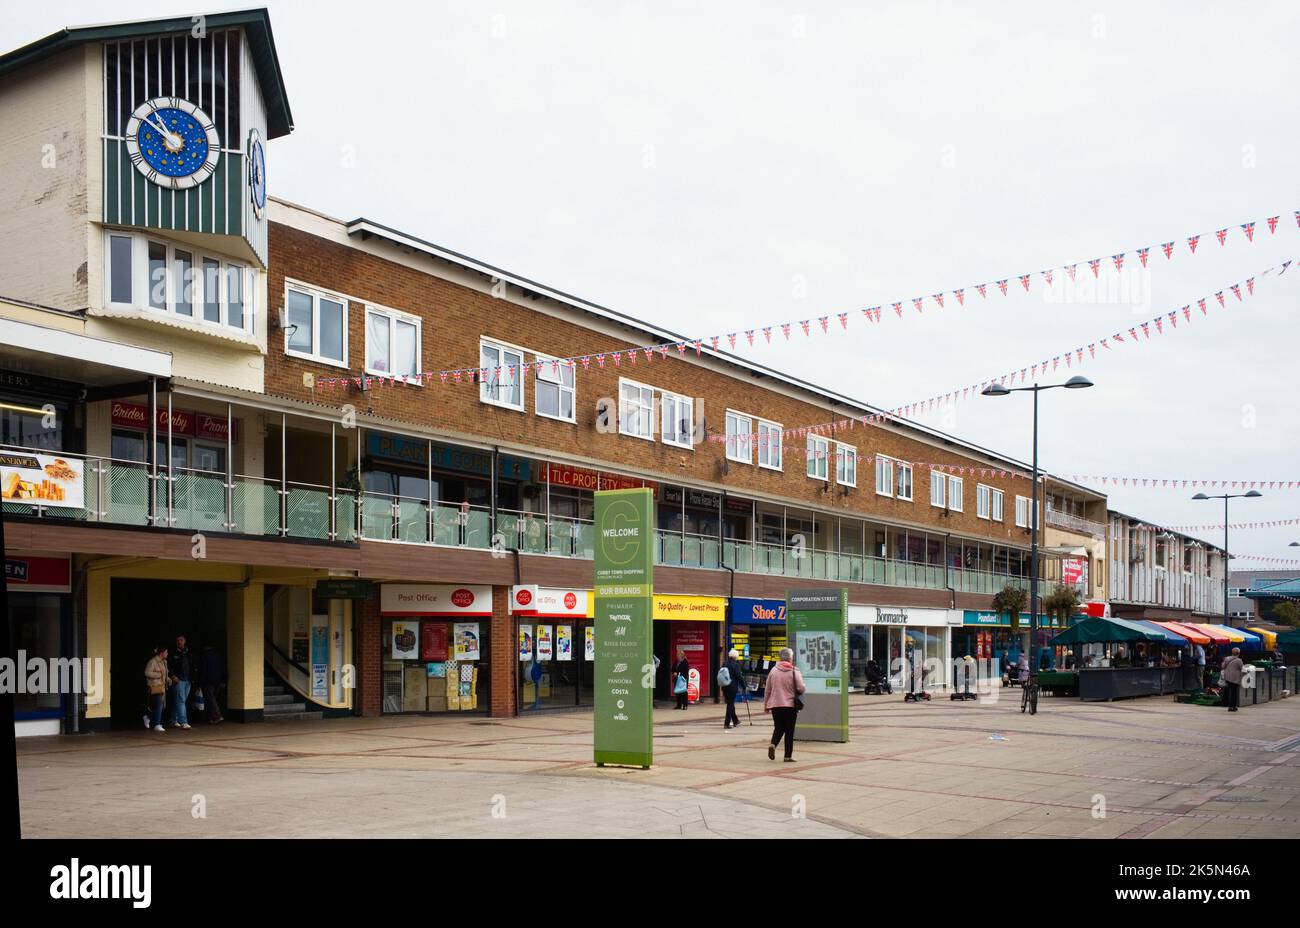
pixel 690 608
pixel 435 599
pixel 746 611
pixel 342 588
pixel 1074 570
pixel 185 423
pixel 564 475
pixel 42 480
pixel 549 602
pixel 697 499
pixel 37 574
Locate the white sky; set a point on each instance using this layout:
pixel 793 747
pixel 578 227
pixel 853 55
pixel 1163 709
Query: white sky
pixel 716 166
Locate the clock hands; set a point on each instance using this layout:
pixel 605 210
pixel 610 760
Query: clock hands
pixel 171 139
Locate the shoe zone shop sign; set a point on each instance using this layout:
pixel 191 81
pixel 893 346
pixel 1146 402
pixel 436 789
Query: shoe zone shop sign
pixel 817 628
pixel 624 562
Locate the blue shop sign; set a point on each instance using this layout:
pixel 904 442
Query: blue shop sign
pixel 1000 619
pixel 447 457
pixel 746 611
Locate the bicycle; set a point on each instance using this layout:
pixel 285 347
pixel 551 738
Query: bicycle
pixel 1029 696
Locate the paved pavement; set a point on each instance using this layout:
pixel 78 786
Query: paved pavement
pixel 1130 769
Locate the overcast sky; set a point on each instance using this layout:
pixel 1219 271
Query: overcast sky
pixel 716 166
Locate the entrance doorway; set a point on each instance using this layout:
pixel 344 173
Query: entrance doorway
pixel 149 613
pixel 557 669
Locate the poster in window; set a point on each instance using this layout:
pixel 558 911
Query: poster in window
pixel 467 641
pixel 406 640
pixel 42 480
pixel 525 642
pixel 433 641
pixel 545 644
pixel 564 642
pixel 590 653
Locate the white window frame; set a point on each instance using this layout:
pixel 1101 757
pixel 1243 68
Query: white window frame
pixel 884 475
pixel 641 405
pixel 939 483
pixel 543 364
pixel 819 449
pixel 983 497
pixel 488 393
pixel 955 490
pixel 997 511
pixel 739 436
pixel 395 316
pixel 1023 512
pixel 316 293
pixel 901 468
pixel 843 454
pixel 765 430
pixel 141 284
pixel 669 400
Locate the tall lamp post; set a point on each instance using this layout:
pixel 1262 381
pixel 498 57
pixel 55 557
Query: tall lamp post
pixel 997 389
pixel 1253 494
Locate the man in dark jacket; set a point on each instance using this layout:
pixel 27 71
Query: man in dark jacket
pixel 212 673
pixel 737 685
pixel 181 673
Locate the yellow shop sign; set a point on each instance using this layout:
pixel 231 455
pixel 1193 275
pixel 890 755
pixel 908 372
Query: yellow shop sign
pixel 690 608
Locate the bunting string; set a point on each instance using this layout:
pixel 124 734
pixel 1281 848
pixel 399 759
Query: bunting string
pixel 823 324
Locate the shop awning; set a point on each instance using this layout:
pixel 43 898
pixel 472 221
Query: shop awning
pixel 1237 635
pixel 1171 637
pixel 1095 630
pixel 1193 633
pixel 1289 641
pixel 1213 632
pixel 1270 638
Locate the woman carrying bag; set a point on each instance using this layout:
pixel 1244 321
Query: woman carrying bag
pixel 784 687
pixel 155 680
pixel 681 679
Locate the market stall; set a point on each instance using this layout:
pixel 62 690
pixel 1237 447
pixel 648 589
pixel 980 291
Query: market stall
pixel 1132 662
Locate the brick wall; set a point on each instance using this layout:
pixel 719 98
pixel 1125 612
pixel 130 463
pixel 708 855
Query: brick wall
pixel 455 316
pixel 503 659
pixel 369 660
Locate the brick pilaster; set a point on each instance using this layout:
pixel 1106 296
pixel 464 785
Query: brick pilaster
pixel 369 658
pixel 503 657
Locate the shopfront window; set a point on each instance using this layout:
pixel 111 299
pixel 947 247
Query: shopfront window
pixel 435 665
pixel 26 424
pixel 35 628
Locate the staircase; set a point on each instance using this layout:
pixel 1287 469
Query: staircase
pixel 281 702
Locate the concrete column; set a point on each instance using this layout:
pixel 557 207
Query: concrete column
pixel 504 657
pixel 99 627
pixel 245 634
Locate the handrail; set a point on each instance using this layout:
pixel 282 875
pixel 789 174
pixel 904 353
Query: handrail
pixel 287 659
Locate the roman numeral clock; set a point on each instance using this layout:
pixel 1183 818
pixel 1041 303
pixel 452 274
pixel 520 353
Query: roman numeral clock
pixel 172 142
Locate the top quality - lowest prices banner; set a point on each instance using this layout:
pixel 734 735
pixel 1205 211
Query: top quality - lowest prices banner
pixel 42 480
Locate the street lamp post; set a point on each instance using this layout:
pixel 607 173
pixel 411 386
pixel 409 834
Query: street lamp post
pixel 997 389
pixel 1253 494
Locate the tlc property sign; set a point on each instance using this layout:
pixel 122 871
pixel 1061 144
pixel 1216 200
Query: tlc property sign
pixel 625 531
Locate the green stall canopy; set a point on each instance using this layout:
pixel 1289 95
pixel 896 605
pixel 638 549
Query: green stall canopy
pixel 1289 641
pixel 1097 630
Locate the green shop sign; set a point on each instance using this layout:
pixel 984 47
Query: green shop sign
pixel 625 531
pixel 342 589
pixel 817 623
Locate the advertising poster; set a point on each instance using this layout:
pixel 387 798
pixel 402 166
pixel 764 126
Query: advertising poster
pixel 818 627
pixel 590 653
pixel 544 643
pixel 525 642
pixel 320 650
pixel 624 561
pixel 467 641
pixel 692 639
pixel 433 641
pixel 406 641
pixel 42 480
pixel 564 642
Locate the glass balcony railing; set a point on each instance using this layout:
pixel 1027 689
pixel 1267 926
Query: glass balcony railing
pixel 126 492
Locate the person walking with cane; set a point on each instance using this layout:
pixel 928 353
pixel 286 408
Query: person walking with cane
pixel 784 687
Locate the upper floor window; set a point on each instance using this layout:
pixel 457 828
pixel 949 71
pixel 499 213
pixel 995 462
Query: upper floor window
pixel 938 489
pixel 636 409
pixel 884 475
pixel 501 381
pixel 769 445
pixel 818 454
pixel 996 507
pixel 982 494
pixel 846 465
pixel 392 343
pixel 143 272
pixel 315 325
pixel 954 493
pixel 1023 508
pixel 904 472
pixel 740 446
pixel 554 389
pixel 678 420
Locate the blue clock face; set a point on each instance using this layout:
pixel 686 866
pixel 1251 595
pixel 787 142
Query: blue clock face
pixel 172 142
pixel 256 172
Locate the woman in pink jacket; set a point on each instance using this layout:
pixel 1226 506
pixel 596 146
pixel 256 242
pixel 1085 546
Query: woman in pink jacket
pixel 784 686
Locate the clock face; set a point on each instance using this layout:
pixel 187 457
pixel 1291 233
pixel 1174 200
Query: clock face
pixel 256 173
pixel 172 142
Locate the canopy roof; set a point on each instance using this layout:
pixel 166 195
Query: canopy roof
pixel 1096 630
pixel 1197 634
pixel 1170 636
pixel 1270 638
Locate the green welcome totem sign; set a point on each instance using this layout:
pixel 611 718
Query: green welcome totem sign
pixel 624 585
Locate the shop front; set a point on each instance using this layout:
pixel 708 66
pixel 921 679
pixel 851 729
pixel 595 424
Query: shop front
pixel 989 636
pixel 691 626
pixel 39 593
pixel 435 648
pixel 556 647
pixel 758 633
pixel 888 635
